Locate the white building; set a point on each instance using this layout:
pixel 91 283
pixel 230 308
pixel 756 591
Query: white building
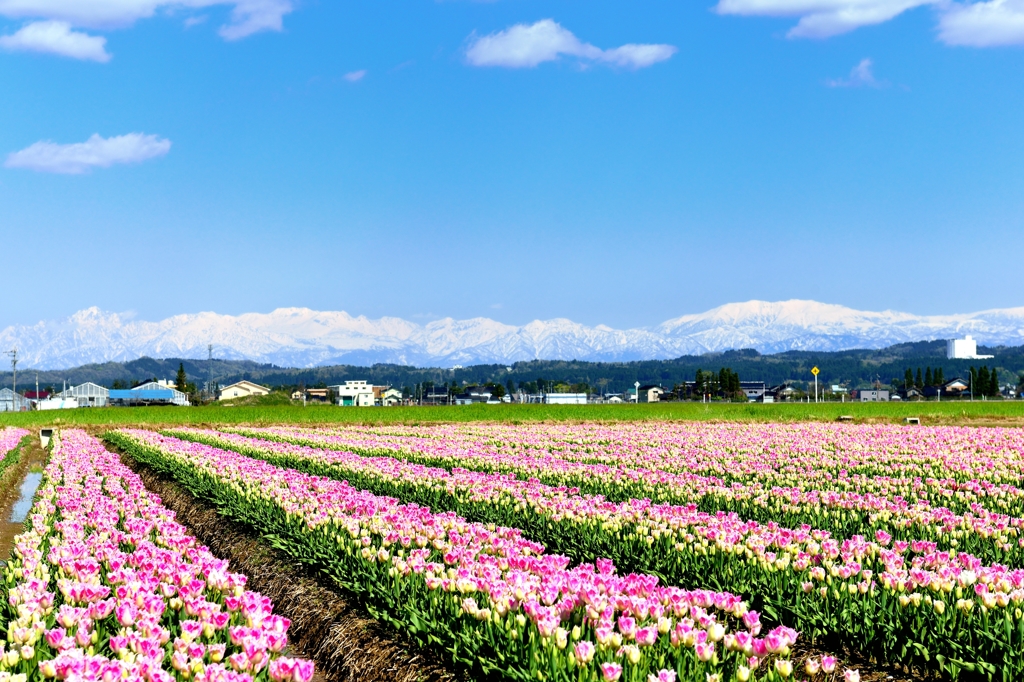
pixel 354 394
pixel 964 349
pixel 13 402
pixel 242 389
pixel 386 396
pixel 873 396
pixel 57 404
pixel 565 398
pixel 87 395
pixel 157 392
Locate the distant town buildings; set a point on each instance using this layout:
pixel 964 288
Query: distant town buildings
pixel 964 349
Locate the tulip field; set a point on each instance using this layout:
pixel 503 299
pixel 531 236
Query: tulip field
pixel 10 439
pixel 643 552
pixel 105 585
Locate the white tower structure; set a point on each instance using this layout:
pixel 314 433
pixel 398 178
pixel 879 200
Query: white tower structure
pixel 964 349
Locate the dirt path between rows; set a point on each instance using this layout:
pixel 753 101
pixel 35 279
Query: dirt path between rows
pixel 33 456
pixel 345 644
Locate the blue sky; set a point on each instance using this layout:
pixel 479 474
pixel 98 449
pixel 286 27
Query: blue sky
pixel 422 159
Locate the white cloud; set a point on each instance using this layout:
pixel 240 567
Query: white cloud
pixel 247 16
pixel 355 76
pixel 96 152
pixel 861 76
pixel 56 37
pixel 526 46
pixel 823 18
pixel 253 16
pixel 983 24
pixel 988 23
pixel 638 56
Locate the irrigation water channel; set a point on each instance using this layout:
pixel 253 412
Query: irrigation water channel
pixel 17 493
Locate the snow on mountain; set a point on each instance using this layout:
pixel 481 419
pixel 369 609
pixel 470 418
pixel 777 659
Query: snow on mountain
pixel 300 337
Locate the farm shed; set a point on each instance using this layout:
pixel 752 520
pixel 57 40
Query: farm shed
pixel 12 402
pixel 87 395
pixel 151 393
pixel 565 398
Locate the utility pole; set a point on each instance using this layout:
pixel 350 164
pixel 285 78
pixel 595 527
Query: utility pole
pixel 14 369
pixel 209 371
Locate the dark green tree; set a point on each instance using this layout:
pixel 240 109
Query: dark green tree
pixel 919 382
pixel 181 381
pixel 908 379
pixel 940 379
pixel 984 383
pixel 510 386
pixel 928 379
pixel 994 383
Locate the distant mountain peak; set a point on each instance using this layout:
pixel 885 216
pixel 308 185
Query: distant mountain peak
pixel 301 337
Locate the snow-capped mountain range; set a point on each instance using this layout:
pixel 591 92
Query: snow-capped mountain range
pixel 299 337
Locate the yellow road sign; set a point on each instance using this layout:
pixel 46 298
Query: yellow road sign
pixel 814 371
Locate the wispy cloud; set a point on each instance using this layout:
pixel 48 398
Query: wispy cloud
pixel 528 45
pixel 96 152
pixel 247 16
pixel 355 76
pixel 823 18
pixel 56 37
pixel 983 24
pixel 861 76
pixel 988 23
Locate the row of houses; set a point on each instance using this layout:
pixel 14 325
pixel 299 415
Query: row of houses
pixel 353 394
pixel 158 392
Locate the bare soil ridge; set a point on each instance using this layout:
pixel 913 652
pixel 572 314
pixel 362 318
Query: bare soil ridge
pixel 345 644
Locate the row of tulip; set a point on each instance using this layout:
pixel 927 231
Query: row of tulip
pixel 734 451
pixel 105 585
pixel 498 603
pixel 992 537
pixel 649 472
pixel 10 440
pixel 894 598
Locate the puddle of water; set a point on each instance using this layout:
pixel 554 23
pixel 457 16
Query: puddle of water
pixel 27 492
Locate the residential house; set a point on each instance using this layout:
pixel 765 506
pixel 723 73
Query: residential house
pixel 754 390
pixel 315 395
pixel 385 396
pixel 242 389
pixel 651 393
pixel 354 394
pixel 871 395
pixel 912 393
pixel 954 388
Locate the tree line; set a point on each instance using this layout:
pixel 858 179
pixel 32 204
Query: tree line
pixel 982 381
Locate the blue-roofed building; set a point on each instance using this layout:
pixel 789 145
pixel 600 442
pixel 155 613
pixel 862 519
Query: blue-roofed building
pixel 151 393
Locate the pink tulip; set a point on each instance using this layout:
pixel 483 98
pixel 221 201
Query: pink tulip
pixel 611 671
